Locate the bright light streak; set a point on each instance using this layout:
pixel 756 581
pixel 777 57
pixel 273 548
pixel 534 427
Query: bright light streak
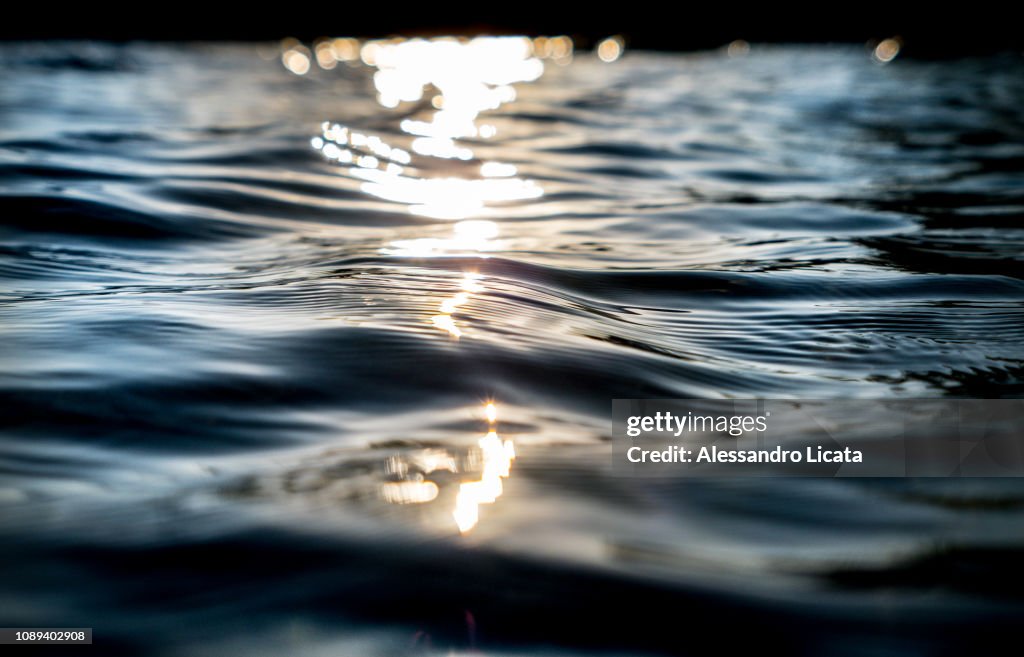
pixel 497 459
pixel 473 76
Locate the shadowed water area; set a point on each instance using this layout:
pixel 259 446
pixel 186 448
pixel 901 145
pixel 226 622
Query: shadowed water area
pixel 254 310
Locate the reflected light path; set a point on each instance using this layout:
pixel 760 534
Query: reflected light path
pixel 471 236
pixel 496 456
pixel 445 319
pixel 491 457
pixel 471 77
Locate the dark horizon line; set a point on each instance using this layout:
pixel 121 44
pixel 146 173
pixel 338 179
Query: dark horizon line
pixel 912 44
pixel 642 25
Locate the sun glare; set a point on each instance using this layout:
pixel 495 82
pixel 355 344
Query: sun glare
pixel 470 77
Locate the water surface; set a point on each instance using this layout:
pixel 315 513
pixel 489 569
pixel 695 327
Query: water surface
pixel 252 320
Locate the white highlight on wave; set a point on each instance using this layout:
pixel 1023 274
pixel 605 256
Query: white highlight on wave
pixel 472 76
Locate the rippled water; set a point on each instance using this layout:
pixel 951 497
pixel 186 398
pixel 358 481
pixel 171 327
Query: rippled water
pixel 251 320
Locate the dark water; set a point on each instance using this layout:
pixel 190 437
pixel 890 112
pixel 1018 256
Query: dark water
pixel 243 381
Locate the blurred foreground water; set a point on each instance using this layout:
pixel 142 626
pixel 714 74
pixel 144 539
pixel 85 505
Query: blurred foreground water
pixel 256 301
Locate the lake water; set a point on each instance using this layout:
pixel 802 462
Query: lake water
pixel 306 361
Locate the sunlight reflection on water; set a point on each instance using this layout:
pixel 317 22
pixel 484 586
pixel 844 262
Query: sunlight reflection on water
pixel 488 462
pixel 471 77
pixel 223 359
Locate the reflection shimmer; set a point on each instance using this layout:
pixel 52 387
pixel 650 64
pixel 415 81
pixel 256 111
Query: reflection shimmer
pixel 471 77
